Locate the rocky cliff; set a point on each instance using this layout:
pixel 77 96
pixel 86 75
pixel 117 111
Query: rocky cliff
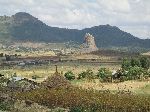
pixel 89 44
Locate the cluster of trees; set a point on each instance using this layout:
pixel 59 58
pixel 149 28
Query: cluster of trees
pixel 103 74
pixel 88 74
pixel 131 69
pixel 142 62
pixel 135 68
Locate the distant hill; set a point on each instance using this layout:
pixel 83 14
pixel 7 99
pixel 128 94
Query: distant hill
pixel 24 27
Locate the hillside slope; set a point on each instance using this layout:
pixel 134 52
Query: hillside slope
pixel 24 27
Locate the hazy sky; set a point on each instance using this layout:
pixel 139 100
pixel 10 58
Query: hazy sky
pixel 132 16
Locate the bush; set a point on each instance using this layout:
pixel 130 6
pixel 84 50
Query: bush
pixel 135 73
pixel 140 62
pixel 4 106
pixel 136 67
pixel 3 81
pixel 145 63
pixel 88 74
pixel 135 62
pixel 126 64
pixel 82 75
pixel 69 75
pixel 104 73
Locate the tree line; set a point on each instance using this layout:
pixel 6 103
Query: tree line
pixel 131 69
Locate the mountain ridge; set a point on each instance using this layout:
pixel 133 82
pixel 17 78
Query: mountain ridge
pixel 24 27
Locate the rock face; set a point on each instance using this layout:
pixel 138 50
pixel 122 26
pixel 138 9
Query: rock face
pixel 89 39
pixel 89 44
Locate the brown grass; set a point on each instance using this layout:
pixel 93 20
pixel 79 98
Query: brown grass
pixel 90 100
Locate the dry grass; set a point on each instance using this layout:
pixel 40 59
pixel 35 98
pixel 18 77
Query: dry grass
pixel 133 86
pixel 87 100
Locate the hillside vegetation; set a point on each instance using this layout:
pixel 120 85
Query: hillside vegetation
pixel 24 27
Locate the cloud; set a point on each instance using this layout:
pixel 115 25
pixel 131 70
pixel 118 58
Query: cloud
pixel 115 5
pixel 129 15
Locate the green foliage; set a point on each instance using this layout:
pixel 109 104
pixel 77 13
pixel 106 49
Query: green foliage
pixel 3 81
pixel 135 62
pixel 126 64
pixel 140 62
pixel 4 106
pixel 77 109
pixel 88 74
pixel 135 72
pixel 23 26
pixel 69 75
pixel 103 73
pixel 82 75
pixel 136 67
pixel 145 63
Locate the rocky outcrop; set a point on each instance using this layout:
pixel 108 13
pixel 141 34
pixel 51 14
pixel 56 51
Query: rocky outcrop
pixel 89 44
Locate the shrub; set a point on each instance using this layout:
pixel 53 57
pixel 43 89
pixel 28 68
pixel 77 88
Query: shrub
pixel 69 75
pixel 3 81
pixel 82 75
pixel 145 63
pixel 126 64
pixel 135 62
pixel 89 74
pixel 135 72
pixel 140 62
pixel 4 106
pixel 104 73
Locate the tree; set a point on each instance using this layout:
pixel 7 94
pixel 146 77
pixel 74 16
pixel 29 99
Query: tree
pixel 126 64
pixel 135 62
pixel 69 75
pixel 135 72
pixel 145 63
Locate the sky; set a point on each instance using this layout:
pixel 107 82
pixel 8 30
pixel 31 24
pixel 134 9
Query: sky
pixel 132 16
